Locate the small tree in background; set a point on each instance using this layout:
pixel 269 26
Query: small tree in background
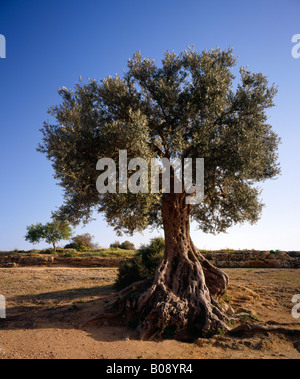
pixel 82 242
pixel 52 232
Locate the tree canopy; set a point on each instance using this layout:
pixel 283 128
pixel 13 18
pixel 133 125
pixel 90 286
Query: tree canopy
pixel 189 106
pixel 52 232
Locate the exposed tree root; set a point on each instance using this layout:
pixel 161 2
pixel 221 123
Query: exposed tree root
pixel 181 301
pixel 216 280
pixel 159 313
pixel 181 309
pixel 255 329
pixel 101 316
pixel 119 304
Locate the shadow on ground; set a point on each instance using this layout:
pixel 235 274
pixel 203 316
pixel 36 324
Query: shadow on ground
pixel 66 309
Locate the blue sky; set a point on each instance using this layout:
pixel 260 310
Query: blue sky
pixel 51 43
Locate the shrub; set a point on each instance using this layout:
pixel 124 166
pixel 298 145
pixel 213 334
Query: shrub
pixel 143 265
pixel 82 242
pixel 68 253
pixel 275 251
pixel 46 251
pixel 114 245
pixel 127 245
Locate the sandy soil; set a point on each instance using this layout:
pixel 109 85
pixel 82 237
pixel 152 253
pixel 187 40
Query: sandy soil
pixel 46 305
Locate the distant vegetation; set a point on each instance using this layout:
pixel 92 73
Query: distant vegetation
pixel 275 251
pixel 52 232
pixel 111 252
pixel 124 245
pixel 82 242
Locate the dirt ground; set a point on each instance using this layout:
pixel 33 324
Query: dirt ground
pixel 45 307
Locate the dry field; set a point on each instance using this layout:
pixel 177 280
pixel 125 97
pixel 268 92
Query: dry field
pixel 45 307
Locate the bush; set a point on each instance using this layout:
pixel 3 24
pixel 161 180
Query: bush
pixel 82 242
pixel 124 245
pixel 127 245
pixel 143 265
pixel 46 251
pixel 69 253
pixel 275 251
pixel 115 245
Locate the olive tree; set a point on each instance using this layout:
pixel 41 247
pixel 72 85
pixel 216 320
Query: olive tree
pixel 52 232
pixel 189 106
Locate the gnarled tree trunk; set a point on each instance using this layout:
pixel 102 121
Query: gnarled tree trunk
pixel 182 301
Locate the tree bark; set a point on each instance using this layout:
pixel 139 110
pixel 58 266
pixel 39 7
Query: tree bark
pixel 182 301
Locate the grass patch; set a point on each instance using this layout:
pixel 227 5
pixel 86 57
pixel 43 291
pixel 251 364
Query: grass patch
pixel 226 298
pixel 108 253
pixel 118 253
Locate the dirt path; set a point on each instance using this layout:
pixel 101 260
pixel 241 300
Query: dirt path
pixel 45 306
